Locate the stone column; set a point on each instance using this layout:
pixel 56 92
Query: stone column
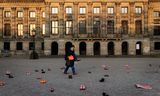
pixel 90 19
pixel 75 19
pixel 61 20
pixel 89 48
pixel 25 22
pixel 13 22
pixel 118 20
pixel 48 22
pixel 132 24
pixel 103 19
pixel 145 18
pixel 1 22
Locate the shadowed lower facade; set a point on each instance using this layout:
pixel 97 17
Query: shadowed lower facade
pixel 95 27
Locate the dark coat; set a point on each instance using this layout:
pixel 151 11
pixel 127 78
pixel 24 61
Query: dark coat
pixel 71 61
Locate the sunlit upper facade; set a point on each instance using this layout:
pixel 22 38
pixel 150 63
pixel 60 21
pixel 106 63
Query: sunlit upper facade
pixel 95 27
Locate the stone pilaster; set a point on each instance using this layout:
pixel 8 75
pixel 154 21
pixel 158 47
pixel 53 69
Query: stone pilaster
pixel 90 18
pixel 145 18
pixel 61 20
pixel 13 22
pixel 89 48
pixel 25 22
pixel 26 46
pixel 75 20
pixel 47 48
pixel 103 48
pixel 132 24
pixel 1 22
pixel 118 21
pixel 117 48
pixel 150 21
pixel 38 26
pixel 61 47
pixel 103 20
pixel 146 47
pixel 48 22
pixel 132 47
pixel 76 44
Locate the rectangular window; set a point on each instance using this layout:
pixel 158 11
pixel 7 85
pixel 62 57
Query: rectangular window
pixel 96 10
pixel 19 46
pixel 54 10
pixel 42 46
pixel 7 30
pixel 31 27
pixel 110 10
pixel 156 14
pixel 96 27
pixel 124 27
pixel 110 26
pixel 54 27
pixel 82 27
pixel 32 14
pixel 7 14
pixel 124 10
pixel 156 30
pixel 20 29
pixel 43 29
pixel 156 45
pixel 138 27
pixel 31 45
pixel 6 46
pixel 43 14
pixel 82 10
pixel 20 14
pixel 68 27
pixel 138 10
pixel 68 10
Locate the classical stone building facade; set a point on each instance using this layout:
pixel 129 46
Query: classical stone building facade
pixel 95 27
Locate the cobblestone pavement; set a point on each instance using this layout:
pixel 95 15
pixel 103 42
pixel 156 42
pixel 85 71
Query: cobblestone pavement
pixel 120 78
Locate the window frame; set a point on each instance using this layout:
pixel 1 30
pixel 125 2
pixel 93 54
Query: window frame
pixel 69 10
pixel 54 10
pixel 124 10
pixel 96 10
pixel 32 14
pixel 20 31
pixel 110 10
pixel 19 14
pixel 68 26
pixel 82 10
pixel 55 25
pixel 7 14
pixel 138 10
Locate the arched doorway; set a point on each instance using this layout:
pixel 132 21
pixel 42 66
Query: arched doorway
pixel 54 48
pixel 110 48
pixel 96 48
pixel 82 48
pixel 68 45
pixel 124 48
pixel 139 48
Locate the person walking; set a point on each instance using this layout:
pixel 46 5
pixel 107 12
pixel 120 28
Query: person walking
pixel 70 58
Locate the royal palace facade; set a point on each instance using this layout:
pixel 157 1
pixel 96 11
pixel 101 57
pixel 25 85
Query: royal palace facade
pixel 95 27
